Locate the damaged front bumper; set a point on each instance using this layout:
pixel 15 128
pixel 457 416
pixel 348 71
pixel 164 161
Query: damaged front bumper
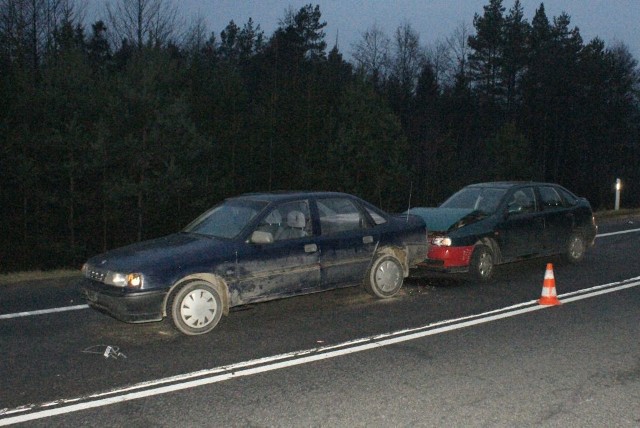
pixel 132 307
pixel 444 259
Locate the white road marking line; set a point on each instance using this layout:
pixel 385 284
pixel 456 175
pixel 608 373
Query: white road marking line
pixel 251 367
pixel 602 235
pixel 43 311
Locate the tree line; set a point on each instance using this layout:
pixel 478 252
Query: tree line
pixel 129 128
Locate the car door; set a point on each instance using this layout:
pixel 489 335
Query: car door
pixel 521 230
pixel 280 257
pixel 347 241
pixel 559 220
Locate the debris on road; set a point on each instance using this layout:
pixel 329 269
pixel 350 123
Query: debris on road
pixel 107 351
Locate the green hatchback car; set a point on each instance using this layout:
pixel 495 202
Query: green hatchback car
pixel 486 224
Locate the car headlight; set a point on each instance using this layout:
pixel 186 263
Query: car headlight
pixel 131 280
pixel 441 241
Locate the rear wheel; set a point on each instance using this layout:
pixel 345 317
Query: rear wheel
pixel 196 308
pixel 385 277
pixel 482 264
pixel 575 248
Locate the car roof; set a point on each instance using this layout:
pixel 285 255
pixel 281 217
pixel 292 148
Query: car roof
pixel 510 184
pixel 285 195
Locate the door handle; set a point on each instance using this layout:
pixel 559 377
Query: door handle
pixel 310 248
pixel 367 239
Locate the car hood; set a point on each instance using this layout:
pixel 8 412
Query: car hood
pixel 445 219
pixel 176 250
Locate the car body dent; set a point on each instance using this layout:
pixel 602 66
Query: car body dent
pixel 273 270
pixel 346 255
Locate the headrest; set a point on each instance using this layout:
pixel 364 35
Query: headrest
pixel 296 219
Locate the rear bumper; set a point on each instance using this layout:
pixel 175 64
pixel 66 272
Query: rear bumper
pixel 132 307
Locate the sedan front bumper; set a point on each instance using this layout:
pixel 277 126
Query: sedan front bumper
pixel 429 266
pixel 445 260
pixel 132 307
pixel 450 257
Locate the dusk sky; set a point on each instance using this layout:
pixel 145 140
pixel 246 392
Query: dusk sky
pixel 611 20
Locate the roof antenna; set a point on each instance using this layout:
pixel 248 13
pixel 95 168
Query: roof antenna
pixel 410 191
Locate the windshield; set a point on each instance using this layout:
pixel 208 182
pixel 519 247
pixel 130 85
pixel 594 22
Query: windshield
pixel 226 220
pixel 484 199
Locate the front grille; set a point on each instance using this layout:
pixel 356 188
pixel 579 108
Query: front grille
pixel 95 274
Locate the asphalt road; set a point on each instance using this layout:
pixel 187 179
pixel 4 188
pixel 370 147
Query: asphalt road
pixel 442 353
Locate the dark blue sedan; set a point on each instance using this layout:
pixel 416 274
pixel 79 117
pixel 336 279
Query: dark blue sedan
pixel 253 248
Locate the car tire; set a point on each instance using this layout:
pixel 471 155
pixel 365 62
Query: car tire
pixel 576 247
pixel 482 264
pixel 195 308
pixel 385 277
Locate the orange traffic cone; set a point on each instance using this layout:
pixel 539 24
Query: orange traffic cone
pixel 549 296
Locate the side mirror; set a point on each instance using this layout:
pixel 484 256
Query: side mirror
pixel 261 237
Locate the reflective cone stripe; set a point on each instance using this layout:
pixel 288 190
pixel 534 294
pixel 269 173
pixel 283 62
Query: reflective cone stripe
pixel 549 296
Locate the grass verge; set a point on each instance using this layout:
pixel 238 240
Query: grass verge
pixel 618 213
pixel 12 278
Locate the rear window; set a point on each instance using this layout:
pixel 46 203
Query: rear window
pixel 339 215
pixel 377 218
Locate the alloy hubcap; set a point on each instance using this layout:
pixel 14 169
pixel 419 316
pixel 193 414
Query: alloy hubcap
pixel 576 248
pixel 485 265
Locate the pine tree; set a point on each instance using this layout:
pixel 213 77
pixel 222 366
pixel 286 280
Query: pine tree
pixel 485 60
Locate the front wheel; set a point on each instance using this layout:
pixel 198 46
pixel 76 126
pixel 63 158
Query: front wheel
pixel 482 265
pixel 575 248
pixel 385 277
pixel 196 308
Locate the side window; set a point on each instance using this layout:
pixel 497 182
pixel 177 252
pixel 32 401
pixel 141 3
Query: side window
pixel 568 197
pixel 288 221
pixel 550 198
pixel 522 201
pixel 489 200
pixel 377 218
pixel 339 215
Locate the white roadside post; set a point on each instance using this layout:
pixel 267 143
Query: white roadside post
pixel 618 187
